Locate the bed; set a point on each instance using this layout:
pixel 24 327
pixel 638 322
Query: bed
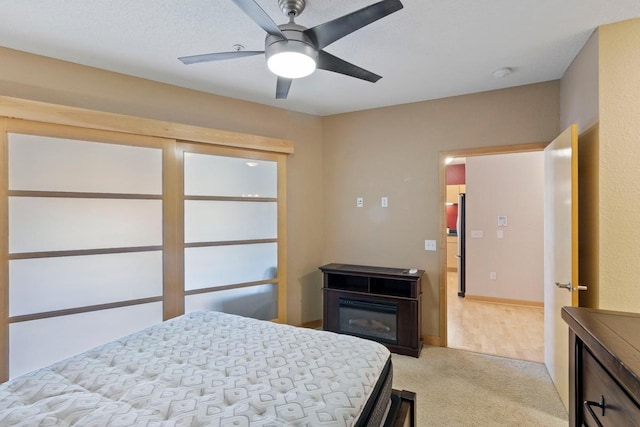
pixel 211 368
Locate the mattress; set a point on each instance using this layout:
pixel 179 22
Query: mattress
pixel 209 368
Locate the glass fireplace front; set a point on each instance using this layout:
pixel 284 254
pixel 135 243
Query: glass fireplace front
pixel 369 319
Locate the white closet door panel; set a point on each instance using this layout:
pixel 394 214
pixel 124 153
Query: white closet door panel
pixel 215 221
pixel 207 175
pixel 38 343
pixel 55 164
pixel 49 224
pixel 224 265
pixel 258 302
pixel 49 284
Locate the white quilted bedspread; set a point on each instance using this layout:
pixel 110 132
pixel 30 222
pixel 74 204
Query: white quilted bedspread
pixel 203 369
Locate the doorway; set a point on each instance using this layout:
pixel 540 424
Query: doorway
pixel 473 323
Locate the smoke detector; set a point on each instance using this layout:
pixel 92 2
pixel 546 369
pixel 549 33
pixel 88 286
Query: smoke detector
pixel 502 72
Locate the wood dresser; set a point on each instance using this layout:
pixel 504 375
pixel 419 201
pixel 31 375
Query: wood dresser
pixel 403 409
pixel 604 367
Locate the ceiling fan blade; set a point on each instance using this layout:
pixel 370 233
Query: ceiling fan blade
pixel 328 62
pixel 282 88
pixel 207 57
pixel 259 16
pixel 324 34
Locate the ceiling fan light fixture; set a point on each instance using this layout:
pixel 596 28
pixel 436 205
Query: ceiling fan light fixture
pixel 294 51
pixel 292 58
pixel 291 65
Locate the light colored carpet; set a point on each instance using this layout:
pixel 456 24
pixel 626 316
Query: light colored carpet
pixel 461 388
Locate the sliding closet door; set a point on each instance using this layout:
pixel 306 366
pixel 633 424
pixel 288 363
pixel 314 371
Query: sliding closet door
pixel 85 239
pixel 104 233
pixel 234 231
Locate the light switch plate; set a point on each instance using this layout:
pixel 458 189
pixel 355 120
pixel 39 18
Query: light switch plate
pixel 477 234
pixel 429 245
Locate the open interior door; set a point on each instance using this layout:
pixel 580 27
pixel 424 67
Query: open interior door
pixel 560 252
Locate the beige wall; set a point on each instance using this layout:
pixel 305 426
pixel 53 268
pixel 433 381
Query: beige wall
pixel 579 103
pixel 608 65
pixel 394 152
pixel 579 88
pixel 33 77
pixel 511 185
pixel 389 152
pixel 619 175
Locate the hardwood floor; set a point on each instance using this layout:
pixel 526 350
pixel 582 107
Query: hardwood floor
pixel 505 330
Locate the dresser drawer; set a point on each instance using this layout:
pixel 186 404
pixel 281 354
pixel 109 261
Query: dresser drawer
pixel 597 384
pixel 403 409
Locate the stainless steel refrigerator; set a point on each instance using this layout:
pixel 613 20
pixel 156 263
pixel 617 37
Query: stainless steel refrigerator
pixel 461 229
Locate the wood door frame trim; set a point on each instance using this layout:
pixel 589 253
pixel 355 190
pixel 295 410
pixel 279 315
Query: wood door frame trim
pixel 442 197
pixel 18 108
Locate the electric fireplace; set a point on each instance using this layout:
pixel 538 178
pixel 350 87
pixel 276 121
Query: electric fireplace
pixel 368 319
pixel 376 303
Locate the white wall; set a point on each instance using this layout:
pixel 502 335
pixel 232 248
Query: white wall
pixel 511 185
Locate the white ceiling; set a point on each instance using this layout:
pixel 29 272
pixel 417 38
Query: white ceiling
pixel 430 49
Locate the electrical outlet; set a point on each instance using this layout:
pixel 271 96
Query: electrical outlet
pixel 492 275
pixel 359 202
pixel 384 202
pixel 429 245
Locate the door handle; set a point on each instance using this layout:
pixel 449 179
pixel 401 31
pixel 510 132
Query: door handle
pixel 568 287
pixel 588 406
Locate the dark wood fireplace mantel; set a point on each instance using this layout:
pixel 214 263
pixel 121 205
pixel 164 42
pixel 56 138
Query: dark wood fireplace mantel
pixel 346 286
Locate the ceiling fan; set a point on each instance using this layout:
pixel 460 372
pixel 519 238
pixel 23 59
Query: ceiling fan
pixel 294 51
